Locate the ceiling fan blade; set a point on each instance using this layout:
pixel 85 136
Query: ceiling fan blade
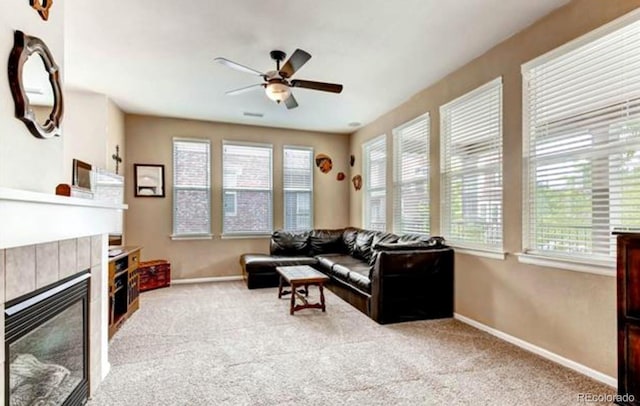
pixel 294 63
pixel 325 87
pixel 243 89
pixel 238 67
pixel 291 102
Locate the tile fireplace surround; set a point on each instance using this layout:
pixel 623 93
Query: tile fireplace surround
pixel 45 238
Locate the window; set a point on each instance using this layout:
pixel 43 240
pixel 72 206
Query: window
pixel 375 178
pixel 411 177
pixel 298 188
pixel 230 203
pixel 247 189
pixel 471 169
pixel 582 145
pixel 191 187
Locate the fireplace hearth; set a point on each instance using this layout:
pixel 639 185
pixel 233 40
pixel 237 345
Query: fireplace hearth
pixel 47 345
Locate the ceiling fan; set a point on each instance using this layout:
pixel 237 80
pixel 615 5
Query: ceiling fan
pixel 278 83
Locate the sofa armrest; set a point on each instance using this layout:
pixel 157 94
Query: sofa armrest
pixel 406 283
pixel 431 243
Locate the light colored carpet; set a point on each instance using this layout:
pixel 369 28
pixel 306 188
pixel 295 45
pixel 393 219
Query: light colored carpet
pixel 220 343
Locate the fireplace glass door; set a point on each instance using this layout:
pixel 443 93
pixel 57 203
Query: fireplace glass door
pixel 47 352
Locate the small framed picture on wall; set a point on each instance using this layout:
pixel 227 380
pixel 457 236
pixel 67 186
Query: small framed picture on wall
pixel 149 180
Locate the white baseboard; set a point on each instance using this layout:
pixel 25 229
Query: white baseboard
pixel 583 369
pixel 206 280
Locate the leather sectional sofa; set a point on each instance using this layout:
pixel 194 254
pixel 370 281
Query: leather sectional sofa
pixel 388 277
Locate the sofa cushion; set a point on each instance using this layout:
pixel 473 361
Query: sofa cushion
pixel 412 238
pixel 382 237
pixel 359 277
pixel 349 236
pixel 289 243
pixel 326 241
pixel 327 261
pixel 340 271
pixel 362 249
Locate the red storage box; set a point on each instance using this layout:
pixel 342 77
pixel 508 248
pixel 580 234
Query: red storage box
pixel 154 274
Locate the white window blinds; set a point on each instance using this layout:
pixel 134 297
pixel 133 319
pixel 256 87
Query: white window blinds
pixel 375 179
pixel 471 168
pixel 411 177
pixel 247 192
pixel 191 187
pixel 298 188
pixel 582 144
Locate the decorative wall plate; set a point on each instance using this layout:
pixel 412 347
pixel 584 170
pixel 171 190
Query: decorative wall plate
pixel 324 162
pixel 42 7
pixel 340 176
pixel 357 182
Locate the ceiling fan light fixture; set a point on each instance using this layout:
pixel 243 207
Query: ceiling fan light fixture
pixel 278 83
pixel 277 91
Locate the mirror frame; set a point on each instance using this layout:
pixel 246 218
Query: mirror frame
pixel 24 47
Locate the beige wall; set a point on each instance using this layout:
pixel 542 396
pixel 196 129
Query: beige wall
pixel 27 162
pixel 85 130
pixel 115 136
pixel 148 222
pixel 569 313
pixel 94 125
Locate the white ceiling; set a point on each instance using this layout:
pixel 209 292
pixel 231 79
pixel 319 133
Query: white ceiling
pixel 156 57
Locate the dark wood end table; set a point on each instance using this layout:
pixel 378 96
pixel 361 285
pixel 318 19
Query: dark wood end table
pixel 301 276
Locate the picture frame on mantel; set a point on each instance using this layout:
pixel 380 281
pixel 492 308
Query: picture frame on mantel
pixel 81 176
pixel 148 180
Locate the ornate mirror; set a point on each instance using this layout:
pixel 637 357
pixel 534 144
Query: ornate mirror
pixel 34 79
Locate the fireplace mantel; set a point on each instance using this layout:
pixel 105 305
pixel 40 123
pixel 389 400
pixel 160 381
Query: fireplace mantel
pixel 32 218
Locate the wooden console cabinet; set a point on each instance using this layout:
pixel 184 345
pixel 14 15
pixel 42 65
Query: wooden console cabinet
pixel 124 283
pixel 628 282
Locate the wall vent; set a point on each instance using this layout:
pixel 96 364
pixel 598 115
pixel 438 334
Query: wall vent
pixel 249 114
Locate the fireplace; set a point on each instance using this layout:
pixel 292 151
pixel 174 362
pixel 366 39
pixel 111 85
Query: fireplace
pixel 47 344
pixel 47 240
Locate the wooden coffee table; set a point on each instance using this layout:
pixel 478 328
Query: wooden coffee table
pixel 301 276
